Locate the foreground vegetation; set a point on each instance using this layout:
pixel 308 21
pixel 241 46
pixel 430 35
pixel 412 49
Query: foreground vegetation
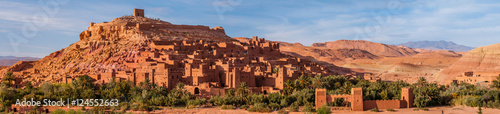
pixel 147 96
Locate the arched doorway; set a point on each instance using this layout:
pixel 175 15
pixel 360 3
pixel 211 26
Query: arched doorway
pixel 265 92
pixel 196 91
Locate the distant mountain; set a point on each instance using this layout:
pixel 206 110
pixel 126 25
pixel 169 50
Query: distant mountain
pixel 11 60
pixel 437 45
pixel 378 49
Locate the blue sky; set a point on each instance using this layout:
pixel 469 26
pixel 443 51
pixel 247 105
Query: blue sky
pixel 37 28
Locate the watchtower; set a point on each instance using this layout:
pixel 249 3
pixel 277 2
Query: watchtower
pixel 321 98
pixel 357 99
pixel 407 97
pixel 139 12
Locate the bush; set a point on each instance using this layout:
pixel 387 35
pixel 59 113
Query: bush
pixel 294 107
pixel 323 110
pixel 259 107
pixel 274 106
pixel 282 111
pixel 58 111
pixel 308 108
pixel 390 109
pixel 71 111
pixel 227 107
pixel 374 110
pixel 197 102
pixel 244 107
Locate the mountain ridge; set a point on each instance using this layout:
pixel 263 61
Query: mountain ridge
pixel 437 45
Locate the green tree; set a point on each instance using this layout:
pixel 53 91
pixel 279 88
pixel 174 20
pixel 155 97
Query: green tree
pixel 83 87
pixel 9 77
pixel 323 110
pixel 496 83
pixel 7 95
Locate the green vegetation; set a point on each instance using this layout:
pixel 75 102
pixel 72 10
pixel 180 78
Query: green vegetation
pixel 323 110
pixel 374 110
pixel 147 96
pixel 390 110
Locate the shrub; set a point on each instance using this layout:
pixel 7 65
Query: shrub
pixel 390 109
pixel 71 111
pixel 308 108
pixel 294 107
pixel 282 111
pixel 274 106
pixel 227 107
pixel 374 110
pixel 58 111
pixel 244 107
pixel 323 110
pixel 197 102
pixel 259 107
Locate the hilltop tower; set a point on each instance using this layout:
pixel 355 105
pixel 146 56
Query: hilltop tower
pixel 139 12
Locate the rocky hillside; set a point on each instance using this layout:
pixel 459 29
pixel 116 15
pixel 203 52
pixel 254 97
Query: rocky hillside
pixel 116 44
pixel 378 49
pixel 437 45
pixel 481 59
pixel 109 45
pixel 335 56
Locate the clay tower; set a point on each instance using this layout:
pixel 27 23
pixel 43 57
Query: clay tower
pixel 139 12
pixel 357 99
pixel 407 97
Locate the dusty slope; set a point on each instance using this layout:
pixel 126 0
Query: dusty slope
pixel 378 49
pixel 390 63
pixel 481 59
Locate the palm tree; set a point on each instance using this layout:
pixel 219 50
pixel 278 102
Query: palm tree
pixel 9 78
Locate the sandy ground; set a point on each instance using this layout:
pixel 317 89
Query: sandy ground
pixel 433 110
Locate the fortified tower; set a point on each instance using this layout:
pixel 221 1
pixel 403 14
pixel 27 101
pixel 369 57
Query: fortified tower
pixel 139 12
pixel 407 97
pixel 321 97
pixel 357 99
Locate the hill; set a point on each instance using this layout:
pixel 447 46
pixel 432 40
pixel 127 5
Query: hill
pixel 388 62
pixel 482 59
pixel 137 49
pixel 437 45
pixel 378 49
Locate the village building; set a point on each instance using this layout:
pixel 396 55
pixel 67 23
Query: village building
pixel 477 78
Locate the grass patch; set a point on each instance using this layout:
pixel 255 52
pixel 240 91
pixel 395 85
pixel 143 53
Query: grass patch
pixel 227 107
pixel 390 109
pixel 374 110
